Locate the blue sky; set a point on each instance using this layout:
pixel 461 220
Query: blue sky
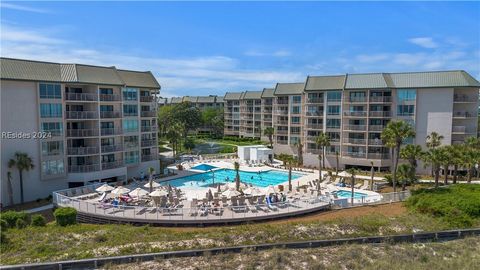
pixel 214 47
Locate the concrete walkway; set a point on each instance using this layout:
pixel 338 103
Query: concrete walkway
pixel 38 209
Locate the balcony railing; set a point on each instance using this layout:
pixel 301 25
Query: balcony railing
pixel 282 102
pixel 463 98
pixel 131 145
pixel 315 126
pixel 358 113
pixel 355 154
pixel 376 127
pixel 380 113
pixel 89 150
pixel 463 114
pixel 380 99
pixel 110 97
pixel 314 100
pixel 111 131
pixel 54 132
pixel 148 113
pixel 112 148
pixel 378 156
pixel 81 96
pixel 354 141
pixel 459 129
pixel 83 168
pixel 283 132
pixel 146 99
pixel 82 132
pixel 315 113
pixel 81 115
pixel 357 99
pixel 132 160
pixel 149 128
pixel 282 141
pixel 110 115
pixel 375 142
pixel 112 165
pixel 283 112
pixel 280 122
pixel 148 157
pixel 355 127
pixel 146 143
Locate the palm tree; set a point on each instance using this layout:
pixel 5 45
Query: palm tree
pixel 470 158
pixel 10 187
pixel 393 136
pixel 322 142
pixel 151 170
pixel 269 131
pixel 435 158
pixel 291 161
pixel 353 173
pixel 412 153
pixel 284 157
pixel 447 151
pixel 457 159
pixel 432 141
pixel 23 163
pixel 404 173
pixel 372 174
pixel 236 165
pixel 337 158
pixel 299 146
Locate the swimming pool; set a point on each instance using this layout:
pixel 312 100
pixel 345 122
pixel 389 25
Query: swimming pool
pixel 348 194
pixel 204 167
pixel 259 179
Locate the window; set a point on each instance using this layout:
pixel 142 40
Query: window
pixel 51 167
pixel 108 158
pixel 48 110
pixel 333 123
pixel 406 95
pixel 131 157
pixel 295 110
pixel 294 140
pixel 54 128
pixel 130 93
pixel 334 136
pixel 130 110
pixel 107 141
pixel 130 125
pixel 295 130
pixel 297 99
pixel 106 91
pixel 52 148
pixel 50 91
pixel 130 141
pixel 106 108
pixel 295 120
pixel 333 110
pixel 334 96
pixel 405 110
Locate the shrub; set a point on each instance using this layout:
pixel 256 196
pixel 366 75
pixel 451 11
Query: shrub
pixel 65 216
pixel 11 217
pixel 3 225
pixel 3 238
pixel 38 221
pixel 20 224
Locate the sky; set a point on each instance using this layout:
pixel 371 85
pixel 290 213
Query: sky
pixel 196 48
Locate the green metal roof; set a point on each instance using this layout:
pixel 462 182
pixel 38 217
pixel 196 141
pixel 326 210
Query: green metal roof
pixel 362 81
pixel 29 70
pixel 233 96
pixel 325 82
pixel 207 99
pixel 289 88
pixel 268 92
pixel 190 99
pixel 252 95
pixel 176 100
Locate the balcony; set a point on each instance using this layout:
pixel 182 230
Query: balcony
pixel 314 113
pixel 355 127
pixel 282 122
pixel 110 97
pixel 378 142
pixel 463 99
pixel 380 99
pixel 282 132
pixel 281 112
pixel 148 113
pixel 110 115
pixel 89 150
pixel 354 141
pixel 378 156
pixel 355 114
pixel 464 115
pixel 146 99
pixel 149 128
pixel 81 97
pixel 314 100
pixel 131 145
pixel 81 115
pixel 314 126
pixel 83 168
pixel 133 160
pixel 112 165
pixel 82 132
pixel 380 114
pixel 463 130
pixel 148 157
pixel 376 127
pixel 282 141
pixel 357 99
pixel 112 148
pixel 111 131
pixel 247 117
pixel 355 154
pixel 283 102
pixel 313 151
pixel 54 132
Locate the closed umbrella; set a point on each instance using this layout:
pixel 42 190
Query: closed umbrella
pixel 120 190
pixel 344 174
pixel 230 193
pixel 253 191
pixel 210 195
pixel 154 184
pixel 271 189
pixel 138 192
pixel 104 188
pixel 219 189
pixel 158 193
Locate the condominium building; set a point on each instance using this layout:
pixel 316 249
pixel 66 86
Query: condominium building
pixel 78 123
pixel 353 110
pixel 267 110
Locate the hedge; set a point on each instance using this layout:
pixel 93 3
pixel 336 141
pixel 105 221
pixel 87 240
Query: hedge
pixel 38 221
pixel 65 216
pixel 11 217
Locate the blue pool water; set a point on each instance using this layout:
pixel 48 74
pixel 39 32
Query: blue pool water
pixel 348 194
pixel 262 179
pixel 204 167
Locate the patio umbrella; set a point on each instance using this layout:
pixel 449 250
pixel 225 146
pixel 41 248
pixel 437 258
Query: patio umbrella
pixel 138 192
pixel 104 188
pixel 344 174
pixel 230 193
pixel 219 189
pixel 158 193
pixel 154 184
pixel 210 195
pixel 271 189
pixel 253 191
pixel 120 190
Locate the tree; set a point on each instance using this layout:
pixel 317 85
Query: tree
pixel 23 163
pixel 322 142
pixel 353 173
pixel 236 166
pixel 393 136
pixel 173 135
pixel 213 119
pixel 10 187
pixel 457 159
pixel 291 162
pixel 151 171
pixel 299 146
pixel 432 141
pixel 447 152
pixel 337 158
pixel 187 116
pixel 269 131
pixel 404 174
pixel 470 158
pixel 165 119
pixel 372 175
pixel 434 157
pixel 412 153
pixel 284 157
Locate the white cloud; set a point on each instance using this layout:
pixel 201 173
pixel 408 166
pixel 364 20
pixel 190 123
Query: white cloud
pixel 277 53
pixel 425 42
pixel 22 8
pixel 14 34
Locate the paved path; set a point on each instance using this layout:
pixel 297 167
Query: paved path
pixel 38 209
